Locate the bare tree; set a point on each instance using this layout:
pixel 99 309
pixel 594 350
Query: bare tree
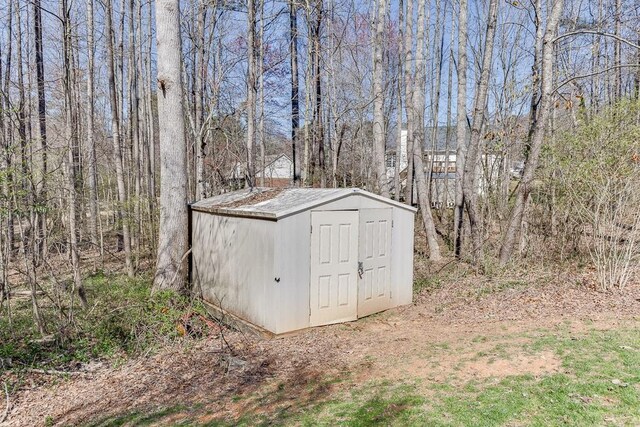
pixel 172 236
pixel 538 133
pixel 251 93
pixel 90 144
pixel 461 125
pixel 41 183
pixel 469 180
pixel 295 90
pixel 200 66
pixel 419 107
pixel 379 140
pixel 115 135
pixel 72 144
pixel 408 89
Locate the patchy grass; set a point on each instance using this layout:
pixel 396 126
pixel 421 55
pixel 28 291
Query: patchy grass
pixel 598 384
pixel 123 319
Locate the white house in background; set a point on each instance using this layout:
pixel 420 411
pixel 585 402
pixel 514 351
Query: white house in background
pixel 394 156
pixel 278 171
pixel 443 172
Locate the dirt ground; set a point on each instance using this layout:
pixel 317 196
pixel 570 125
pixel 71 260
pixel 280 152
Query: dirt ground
pixel 455 327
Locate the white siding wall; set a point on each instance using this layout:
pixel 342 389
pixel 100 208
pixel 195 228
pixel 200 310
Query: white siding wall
pixel 233 262
pixel 293 257
pixel 402 256
pixel 293 260
pixel 237 260
pixel 282 167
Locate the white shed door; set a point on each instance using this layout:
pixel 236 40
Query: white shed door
pixel 334 267
pixel 374 290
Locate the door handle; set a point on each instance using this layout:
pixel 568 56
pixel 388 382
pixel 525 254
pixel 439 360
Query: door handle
pixel 360 269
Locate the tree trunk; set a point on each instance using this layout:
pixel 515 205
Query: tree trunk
pixel 172 239
pixel 617 54
pixel 115 134
pixel 251 93
pixel 461 127
pixel 91 146
pixel 72 144
pixel 515 220
pixel 295 91
pixel 419 137
pixel 134 125
pixel 318 127
pixel 398 159
pixel 408 99
pixel 379 140
pixel 470 181
pixel 261 133
pixel 200 142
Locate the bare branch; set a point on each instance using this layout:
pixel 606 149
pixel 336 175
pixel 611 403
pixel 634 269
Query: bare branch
pixel 597 33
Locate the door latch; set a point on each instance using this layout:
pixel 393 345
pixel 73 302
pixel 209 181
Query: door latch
pixel 360 269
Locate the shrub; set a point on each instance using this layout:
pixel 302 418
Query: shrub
pixel 596 172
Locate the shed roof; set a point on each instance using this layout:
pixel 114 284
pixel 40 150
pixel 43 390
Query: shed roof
pixel 275 203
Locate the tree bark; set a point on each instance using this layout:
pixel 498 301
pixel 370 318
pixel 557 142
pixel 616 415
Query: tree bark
pixel 617 51
pixel 470 179
pixel 172 239
pixel 91 147
pixel 419 137
pixel 295 91
pixel 72 144
pixel 461 127
pixel 261 132
pixel 379 140
pixel 251 93
pixel 115 135
pixel 408 99
pixel 200 142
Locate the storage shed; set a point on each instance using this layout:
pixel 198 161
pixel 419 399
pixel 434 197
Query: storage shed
pixel 288 259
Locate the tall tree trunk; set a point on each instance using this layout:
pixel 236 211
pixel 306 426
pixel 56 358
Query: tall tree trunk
pixel 251 93
pixel 379 140
pixel 7 107
pixel 546 98
pixel 199 71
pixel 419 136
pixel 91 146
pixel 115 134
pixel 295 91
pixel 399 149
pixel 72 144
pixel 461 127
pixel 134 129
pixel 172 239
pixel 470 180
pixel 318 127
pixel 408 101
pixel 261 133
pixel 617 54
pixel 448 151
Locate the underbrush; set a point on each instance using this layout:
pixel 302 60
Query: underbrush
pixel 123 319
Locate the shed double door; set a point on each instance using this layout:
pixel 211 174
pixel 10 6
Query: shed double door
pixel 350 264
